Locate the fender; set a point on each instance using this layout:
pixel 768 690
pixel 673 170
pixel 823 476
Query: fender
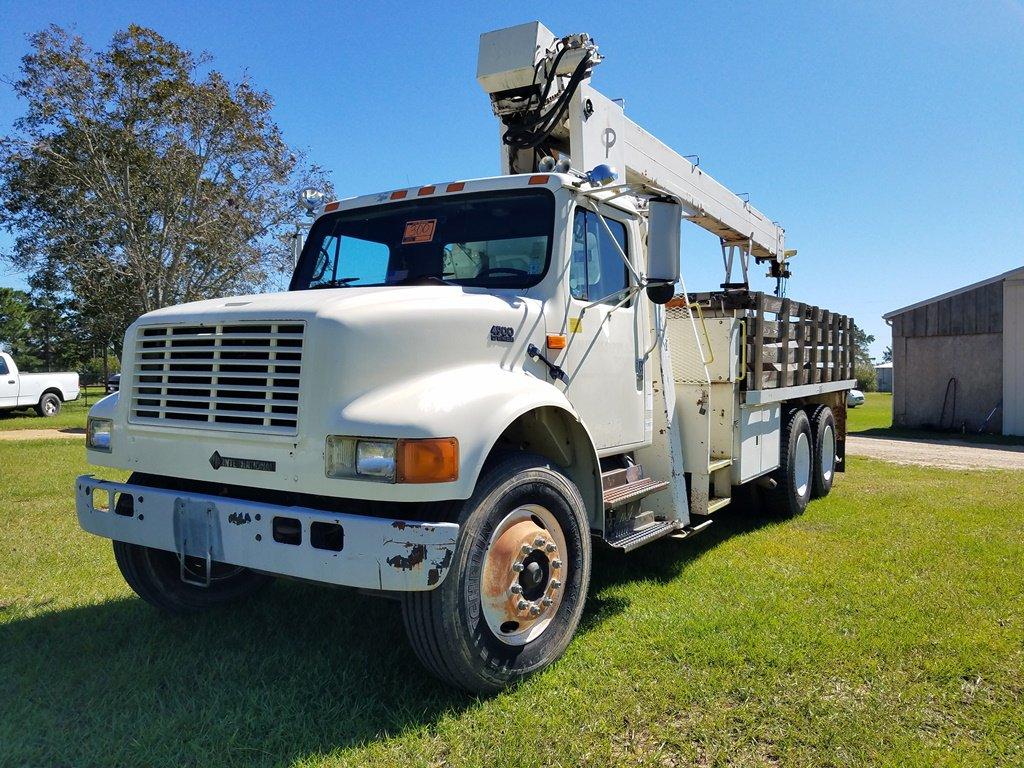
pixel 475 404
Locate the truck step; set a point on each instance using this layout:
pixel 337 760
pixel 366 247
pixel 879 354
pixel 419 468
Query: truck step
pixel 627 541
pixel 691 530
pixel 614 478
pixel 714 504
pixel 638 489
pixel 717 464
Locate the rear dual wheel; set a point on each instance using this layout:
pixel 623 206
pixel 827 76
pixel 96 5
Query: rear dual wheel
pixel 514 596
pixel 807 461
pixel 823 466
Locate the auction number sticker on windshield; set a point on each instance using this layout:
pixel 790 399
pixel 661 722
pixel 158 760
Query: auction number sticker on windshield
pixel 420 231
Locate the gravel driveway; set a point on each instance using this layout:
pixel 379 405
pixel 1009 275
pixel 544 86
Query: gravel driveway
pixel 41 434
pixel 951 454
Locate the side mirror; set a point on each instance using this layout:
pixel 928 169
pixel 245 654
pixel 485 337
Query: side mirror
pixel 663 221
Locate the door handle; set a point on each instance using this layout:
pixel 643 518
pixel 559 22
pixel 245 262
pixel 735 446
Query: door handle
pixel 10 381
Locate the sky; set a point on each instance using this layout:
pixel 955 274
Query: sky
pixel 886 137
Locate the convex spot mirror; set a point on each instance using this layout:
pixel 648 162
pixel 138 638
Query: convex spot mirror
pixel 663 223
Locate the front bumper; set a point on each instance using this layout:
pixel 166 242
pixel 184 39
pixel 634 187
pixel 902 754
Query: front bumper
pixel 368 552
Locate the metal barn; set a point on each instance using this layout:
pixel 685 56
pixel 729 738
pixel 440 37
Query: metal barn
pixel 883 377
pixel 958 358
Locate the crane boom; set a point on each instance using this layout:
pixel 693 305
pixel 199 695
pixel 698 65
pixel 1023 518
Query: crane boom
pixel 540 91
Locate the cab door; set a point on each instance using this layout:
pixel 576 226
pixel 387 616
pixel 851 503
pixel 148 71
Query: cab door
pixel 605 337
pixel 8 383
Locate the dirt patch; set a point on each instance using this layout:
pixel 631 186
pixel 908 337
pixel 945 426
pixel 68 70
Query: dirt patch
pixel 42 434
pixel 950 454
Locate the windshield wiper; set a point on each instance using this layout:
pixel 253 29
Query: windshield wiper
pixel 434 277
pixel 338 282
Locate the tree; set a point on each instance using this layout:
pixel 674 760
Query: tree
pixel 887 355
pixel 15 326
pixel 137 179
pixel 863 366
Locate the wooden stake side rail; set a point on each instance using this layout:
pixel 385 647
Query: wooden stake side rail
pixel 789 343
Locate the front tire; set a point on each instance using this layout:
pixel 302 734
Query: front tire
pixel 49 405
pixel 793 480
pixel 155 576
pixel 515 594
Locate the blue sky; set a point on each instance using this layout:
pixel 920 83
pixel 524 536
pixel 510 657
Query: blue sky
pixel 887 138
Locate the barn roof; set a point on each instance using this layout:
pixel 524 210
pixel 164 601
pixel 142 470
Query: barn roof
pixel 1016 273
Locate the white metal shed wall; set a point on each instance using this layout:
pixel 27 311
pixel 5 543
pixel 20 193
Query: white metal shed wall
pixel 1013 357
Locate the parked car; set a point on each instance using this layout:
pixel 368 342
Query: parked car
pixel 46 392
pixel 854 398
pixel 114 383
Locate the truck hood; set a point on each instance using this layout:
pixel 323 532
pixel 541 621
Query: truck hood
pixel 361 340
pixel 302 305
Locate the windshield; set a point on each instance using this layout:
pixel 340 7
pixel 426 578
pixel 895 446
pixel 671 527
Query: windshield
pixel 491 240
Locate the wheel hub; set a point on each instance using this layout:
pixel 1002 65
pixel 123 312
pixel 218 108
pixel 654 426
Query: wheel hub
pixel 521 582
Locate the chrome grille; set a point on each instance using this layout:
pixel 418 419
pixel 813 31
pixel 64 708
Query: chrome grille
pixel 231 376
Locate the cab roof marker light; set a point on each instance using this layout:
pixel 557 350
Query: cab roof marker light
pixel 542 179
pixel 398 194
pixel 331 206
pixel 428 190
pixel 456 186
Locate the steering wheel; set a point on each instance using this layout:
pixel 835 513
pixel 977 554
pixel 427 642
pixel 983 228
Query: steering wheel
pixel 502 270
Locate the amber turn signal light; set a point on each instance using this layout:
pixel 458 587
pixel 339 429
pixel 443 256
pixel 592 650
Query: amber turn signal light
pixel 433 460
pixel 556 341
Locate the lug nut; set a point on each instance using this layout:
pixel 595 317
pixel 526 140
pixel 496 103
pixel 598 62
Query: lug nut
pixel 547 601
pixel 518 567
pixel 522 605
pixel 555 584
pixel 534 610
pixel 538 542
pixel 526 549
pixel 550 547
pixel 516 589
pixel 556 563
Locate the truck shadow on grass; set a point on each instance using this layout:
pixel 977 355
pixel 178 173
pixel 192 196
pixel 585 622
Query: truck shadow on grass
pixel 298 670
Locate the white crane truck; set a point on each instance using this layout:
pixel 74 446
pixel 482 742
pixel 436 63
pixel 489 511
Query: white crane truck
pixel 468 383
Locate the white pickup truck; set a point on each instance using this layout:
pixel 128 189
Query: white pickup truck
pixel 46 392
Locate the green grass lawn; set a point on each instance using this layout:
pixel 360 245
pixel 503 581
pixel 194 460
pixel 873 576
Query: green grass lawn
pixel 876 413
pixel 884 627
pixel 72 415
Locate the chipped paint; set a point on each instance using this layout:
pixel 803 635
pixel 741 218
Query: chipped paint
pixel 417 554
pixel 434 574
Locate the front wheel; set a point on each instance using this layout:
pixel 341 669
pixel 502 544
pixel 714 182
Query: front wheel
pixel 515 594
pixel 155 576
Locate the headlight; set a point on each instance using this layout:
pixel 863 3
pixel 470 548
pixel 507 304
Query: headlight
pixel 354 457
pixel 376 458
pixel 430 460
pixel 97 434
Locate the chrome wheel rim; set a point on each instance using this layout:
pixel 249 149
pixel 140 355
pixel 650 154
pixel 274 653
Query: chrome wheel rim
pixel 522 575
pixel 49 408
pixel 828 453
pixel 802 464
